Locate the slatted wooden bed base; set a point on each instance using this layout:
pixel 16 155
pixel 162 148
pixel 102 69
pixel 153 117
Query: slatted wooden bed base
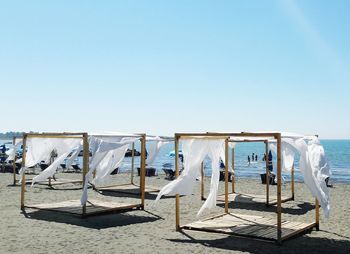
pixel 93 207
pixel 251 198
pixel 249 226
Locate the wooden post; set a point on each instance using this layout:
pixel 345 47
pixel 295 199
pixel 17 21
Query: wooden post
pixel 317 207
pixel 132 162
pixel 267 172
pixel 14 162
pixel 202 180
pixel 86 154
pixel 177 198
pixel 279 188
pixel 226 175
pixel 292 176
pixel 233 169
pixel 23 185
pixel 143 170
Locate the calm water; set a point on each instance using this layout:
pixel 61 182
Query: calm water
pixel 337 151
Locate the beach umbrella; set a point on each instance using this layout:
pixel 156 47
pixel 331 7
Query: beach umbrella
pixel 270 165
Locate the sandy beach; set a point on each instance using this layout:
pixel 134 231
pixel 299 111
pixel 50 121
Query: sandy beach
pixel 153 230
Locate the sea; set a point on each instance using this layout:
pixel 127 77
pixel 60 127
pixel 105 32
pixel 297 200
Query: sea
pixel 337 152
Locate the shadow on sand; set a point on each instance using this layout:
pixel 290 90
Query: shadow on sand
pixel 149 196
pixel 94 222
pixel 302 208
pixel 302 244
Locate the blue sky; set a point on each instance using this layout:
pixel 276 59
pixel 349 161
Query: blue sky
pixel 176 66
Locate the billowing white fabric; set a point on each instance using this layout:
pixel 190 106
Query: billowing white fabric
pixel 12 152
pixel 106 156
pixel 111 161
pixel 113 135
pixel 154 149
pixel 194 152
pixel 40 148
pixel 288 153
pixel 50 170
pixel 73 157
pixel 315 169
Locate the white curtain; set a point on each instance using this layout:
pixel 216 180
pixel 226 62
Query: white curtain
pixel 50 170
pixel 315 169
pixel 73 157
pixel 106 156
pixel 288 153
pixel 12 152
pixel 111 161
pixel 40 148
pixel 194 152
pixel 154 149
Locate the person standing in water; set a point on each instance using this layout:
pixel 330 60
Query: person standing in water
pixel 248 160
pixel 256 157
pixel 252 156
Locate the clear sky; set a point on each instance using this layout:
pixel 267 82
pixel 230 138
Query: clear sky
pixel 175 66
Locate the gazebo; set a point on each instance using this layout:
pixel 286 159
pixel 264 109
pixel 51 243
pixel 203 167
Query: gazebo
pixel 107 150
pixel 195 146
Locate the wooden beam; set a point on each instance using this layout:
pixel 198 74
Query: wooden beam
pixel 23 175
pixel 225 135
pixel 292 178
pixel 143 170
pixel 267 172
pixel 50 134
pixel 233 169
pixel 86 155
pixel 226 175
pixel 247 141
pixel 55 136
pixel 317 221
pixel 177 198
pixel 132 162
pixel 202 180
pixel 279 189
pixel 14 162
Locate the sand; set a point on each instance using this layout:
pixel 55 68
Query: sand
pixel 153 230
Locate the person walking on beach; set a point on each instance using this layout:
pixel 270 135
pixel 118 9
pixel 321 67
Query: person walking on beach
pixel 248 160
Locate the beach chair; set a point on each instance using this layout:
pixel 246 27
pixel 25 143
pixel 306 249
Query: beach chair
pixel 150 171
pixel 222 176
pixel 272 179
pixel 76 167
pixel 169 174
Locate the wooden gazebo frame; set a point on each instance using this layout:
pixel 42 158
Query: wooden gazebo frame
pixel 241 225
pixel 251 197
pixel 130 188
pixel 92 207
